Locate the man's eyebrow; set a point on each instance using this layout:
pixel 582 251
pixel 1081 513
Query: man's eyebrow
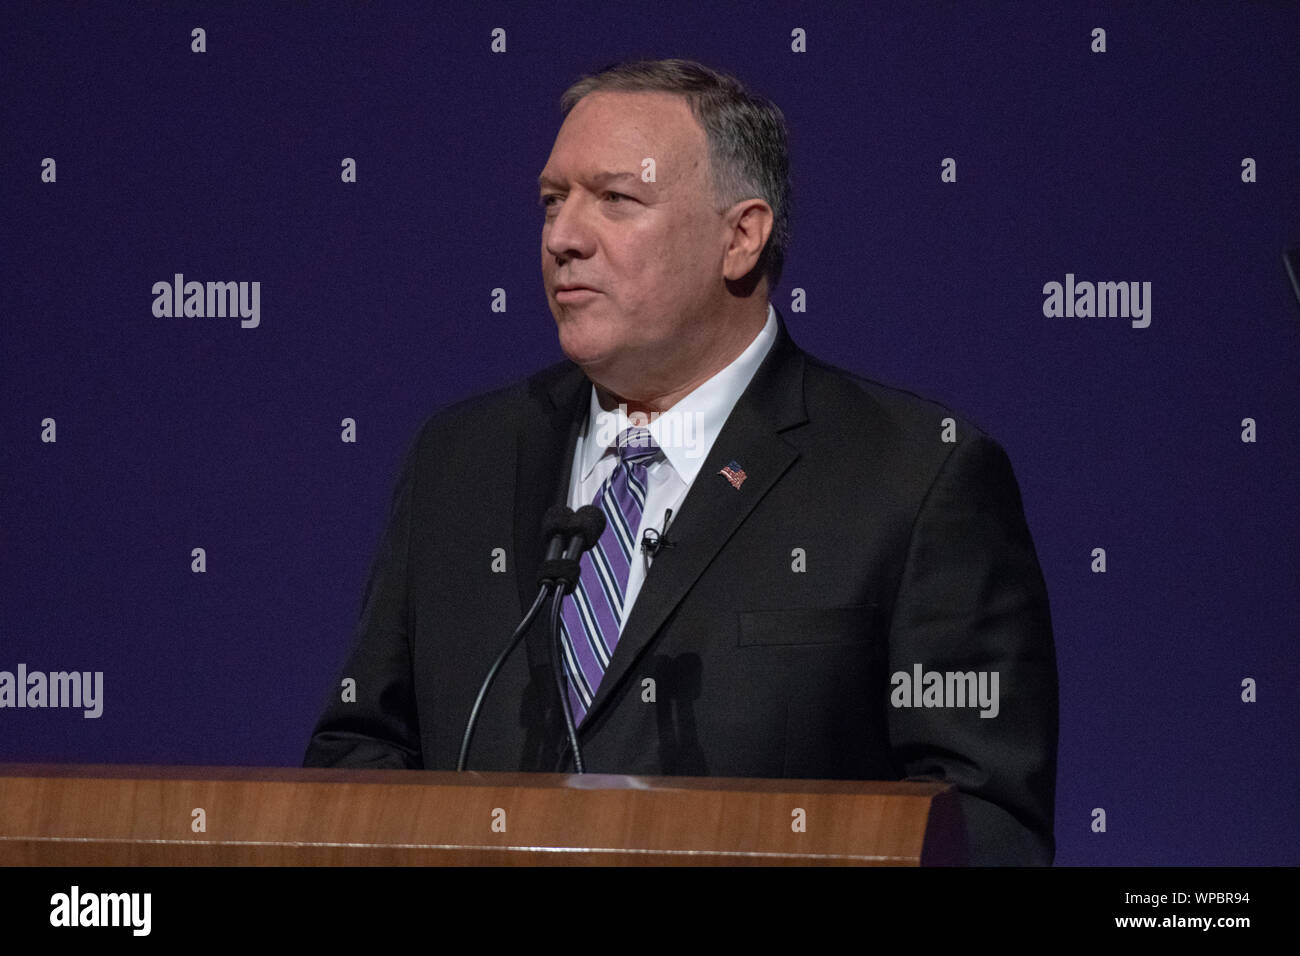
pixel 598 179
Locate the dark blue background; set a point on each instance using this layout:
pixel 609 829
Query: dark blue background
pixel 185 432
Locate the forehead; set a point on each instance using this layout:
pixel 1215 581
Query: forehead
pixel 607 130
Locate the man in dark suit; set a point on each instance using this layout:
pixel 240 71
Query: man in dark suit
pixel 850 589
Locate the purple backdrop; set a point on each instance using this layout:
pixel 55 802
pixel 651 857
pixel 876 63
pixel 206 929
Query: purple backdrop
pixel 176 433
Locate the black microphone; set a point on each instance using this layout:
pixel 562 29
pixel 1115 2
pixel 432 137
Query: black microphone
pixel 589 525
pixel 653 540
pixel 559 525
pixel 558 528
pixel 582 531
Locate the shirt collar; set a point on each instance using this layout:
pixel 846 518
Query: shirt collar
pixel 687 431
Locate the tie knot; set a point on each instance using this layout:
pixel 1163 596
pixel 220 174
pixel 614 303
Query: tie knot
pixel 635 445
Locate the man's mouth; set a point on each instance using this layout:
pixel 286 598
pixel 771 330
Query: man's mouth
pixel 575 294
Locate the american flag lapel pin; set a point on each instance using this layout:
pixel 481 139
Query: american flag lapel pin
pixel 734 474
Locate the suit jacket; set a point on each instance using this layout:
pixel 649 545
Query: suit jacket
pixel 859 545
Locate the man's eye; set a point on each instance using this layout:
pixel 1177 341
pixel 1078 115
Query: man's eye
pixel 547 201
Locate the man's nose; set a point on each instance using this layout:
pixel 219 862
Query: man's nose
pixel 570 235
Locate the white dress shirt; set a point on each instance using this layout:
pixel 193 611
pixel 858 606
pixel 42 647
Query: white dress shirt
pixel 685 432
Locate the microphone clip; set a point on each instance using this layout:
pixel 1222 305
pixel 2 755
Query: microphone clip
pixel 653 540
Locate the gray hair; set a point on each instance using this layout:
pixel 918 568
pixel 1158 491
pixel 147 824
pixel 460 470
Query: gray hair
pixel 748 151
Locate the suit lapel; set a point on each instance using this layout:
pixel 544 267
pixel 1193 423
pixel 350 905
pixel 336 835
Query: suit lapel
pixel 549 426
pixel 713 509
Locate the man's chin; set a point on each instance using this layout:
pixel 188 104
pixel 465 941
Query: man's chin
pixel 586 350
pixel 590 362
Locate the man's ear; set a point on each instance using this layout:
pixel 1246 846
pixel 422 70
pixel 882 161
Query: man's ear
pixel 750 223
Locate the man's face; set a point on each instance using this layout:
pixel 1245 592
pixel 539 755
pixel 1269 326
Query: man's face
pixel 649 253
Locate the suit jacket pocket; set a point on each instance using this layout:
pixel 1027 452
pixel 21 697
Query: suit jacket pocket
pixel 858 624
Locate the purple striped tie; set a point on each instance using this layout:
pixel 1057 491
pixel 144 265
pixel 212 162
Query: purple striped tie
pixel 592 616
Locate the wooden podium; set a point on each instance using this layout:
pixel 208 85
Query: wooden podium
pixel 91 815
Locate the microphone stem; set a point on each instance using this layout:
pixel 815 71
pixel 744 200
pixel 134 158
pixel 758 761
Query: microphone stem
pixel 492 674
pixel 560 684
